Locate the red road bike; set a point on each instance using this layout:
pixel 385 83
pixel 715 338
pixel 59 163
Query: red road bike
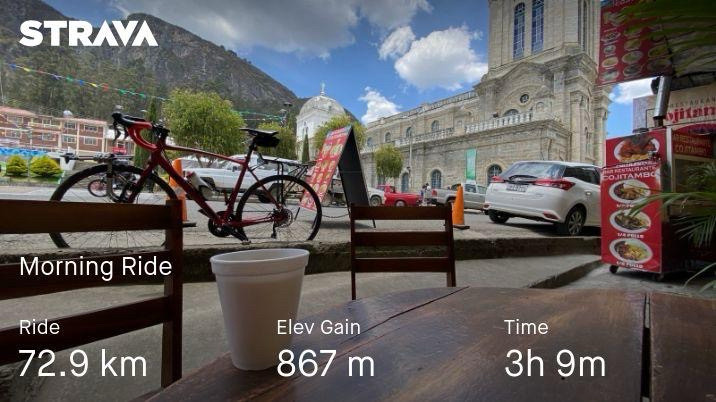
pixel 280 207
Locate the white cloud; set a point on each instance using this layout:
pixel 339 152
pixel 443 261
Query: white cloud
pixel 310 27
pixel 442 59
pixel 377 105
pixel 393 13
pixel 625 92
pixel 397 43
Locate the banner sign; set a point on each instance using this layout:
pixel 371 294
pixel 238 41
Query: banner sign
pixel 689 141
pixel 634 148
pixel 686 106
pixel 631 240
pixel 339 150
pixel 326 164
pixel 627 51
pixel 470 157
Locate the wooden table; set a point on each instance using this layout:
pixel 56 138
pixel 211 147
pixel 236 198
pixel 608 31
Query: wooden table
pixel 451 344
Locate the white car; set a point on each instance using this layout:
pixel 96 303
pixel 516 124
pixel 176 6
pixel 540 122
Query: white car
pixel 376 197
pixel 564 193
pixel 222 176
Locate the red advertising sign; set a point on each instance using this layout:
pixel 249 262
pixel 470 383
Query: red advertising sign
pixel 634 148
pixel 326 164
pixel 631 240
pixel 694 140
pixel 628 51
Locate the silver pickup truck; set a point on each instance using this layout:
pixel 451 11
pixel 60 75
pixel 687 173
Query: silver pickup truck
pixel 474 195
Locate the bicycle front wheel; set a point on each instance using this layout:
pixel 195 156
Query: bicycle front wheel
pixel 271 209
pixel 91 185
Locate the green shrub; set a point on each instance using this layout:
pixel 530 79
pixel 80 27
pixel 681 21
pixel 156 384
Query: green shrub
pixel 44 166
pixel 16 165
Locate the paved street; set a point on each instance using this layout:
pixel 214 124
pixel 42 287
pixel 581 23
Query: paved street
pixel 334 228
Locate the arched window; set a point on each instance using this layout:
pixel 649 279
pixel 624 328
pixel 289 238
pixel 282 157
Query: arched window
pixel 436 179
pixel 408 132
pixel 492 171
pixel 435 125
pixel 518 42
pixel 511 112
pixel 405 183
pixel 537 25
pixel 387 137
pixel 369 141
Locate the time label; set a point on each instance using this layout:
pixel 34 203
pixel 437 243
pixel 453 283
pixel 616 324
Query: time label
pixel 568 363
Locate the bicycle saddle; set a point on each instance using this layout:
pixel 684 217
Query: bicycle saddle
pixel 253 131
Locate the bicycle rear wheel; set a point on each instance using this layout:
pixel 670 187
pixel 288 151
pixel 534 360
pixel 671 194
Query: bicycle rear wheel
pixel 80 188
pixel 289 220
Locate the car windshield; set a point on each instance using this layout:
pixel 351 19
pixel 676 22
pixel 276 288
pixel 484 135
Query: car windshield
pixel 533 170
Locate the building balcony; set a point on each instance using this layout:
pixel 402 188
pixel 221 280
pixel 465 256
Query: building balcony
pixel 44 126
pixel 504 121
pixel 417 138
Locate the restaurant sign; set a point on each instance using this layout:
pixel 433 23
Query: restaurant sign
pixel 684 141
pixel 627 50
pixel 324 170
pixel 631 240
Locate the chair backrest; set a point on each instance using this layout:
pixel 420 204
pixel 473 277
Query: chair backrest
pixel 386 239
pixel 22 217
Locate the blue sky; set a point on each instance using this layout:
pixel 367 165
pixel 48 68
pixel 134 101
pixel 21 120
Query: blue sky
pixel 376 57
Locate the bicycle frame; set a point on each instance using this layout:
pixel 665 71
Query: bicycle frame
pixel 157 158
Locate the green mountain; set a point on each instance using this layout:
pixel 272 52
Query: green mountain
pixel 182 60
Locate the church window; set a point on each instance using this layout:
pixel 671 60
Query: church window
pixel 537 25
pixel 518 44
pixel 387 137
pixel 511 112
pixel 492 171
pixel 524 98
pixel 405 183
pixel 408 132
pixel 582 22
pixel 435 126
pixel 369 141
pixel 436 179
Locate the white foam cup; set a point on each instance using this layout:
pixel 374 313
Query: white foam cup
pixel 256 289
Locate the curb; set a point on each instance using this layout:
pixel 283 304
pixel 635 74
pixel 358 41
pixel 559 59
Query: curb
pixel 568 276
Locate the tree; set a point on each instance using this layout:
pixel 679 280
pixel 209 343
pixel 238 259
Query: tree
pixel 16 166
pixel 338 122
pixel 287 141
pixel 388 161
pixel 140 154
pixel 205 121
pixel 305 157
pixel 44 166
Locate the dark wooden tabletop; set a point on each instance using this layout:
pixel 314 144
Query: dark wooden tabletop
pixel 452 344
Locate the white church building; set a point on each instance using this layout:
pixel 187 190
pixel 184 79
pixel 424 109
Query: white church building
pixel 316 111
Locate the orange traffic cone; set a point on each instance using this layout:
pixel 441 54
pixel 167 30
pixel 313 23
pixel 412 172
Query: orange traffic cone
pixel 176 165
pixel 458 210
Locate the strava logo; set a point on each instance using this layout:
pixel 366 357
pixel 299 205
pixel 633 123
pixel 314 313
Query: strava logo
pixel 79 33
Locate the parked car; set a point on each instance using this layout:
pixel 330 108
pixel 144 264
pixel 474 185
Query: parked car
pixel 565 193
pixel 393 198
pixel 221 176
pixel 473 195
pixel 376 196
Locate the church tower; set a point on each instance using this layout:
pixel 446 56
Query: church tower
pixel 542 58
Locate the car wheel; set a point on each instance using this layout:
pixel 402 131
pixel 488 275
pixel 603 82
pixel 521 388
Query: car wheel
pixel 400 203
pixel 375 201
pixel 574 223
pixel 498 217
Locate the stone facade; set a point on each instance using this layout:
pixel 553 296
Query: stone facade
pixel 535 102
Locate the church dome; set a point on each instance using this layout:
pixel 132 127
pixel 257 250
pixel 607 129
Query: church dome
pixel 323 103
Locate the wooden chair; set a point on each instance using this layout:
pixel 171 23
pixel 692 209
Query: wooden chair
pixel 21 217
pixel 444 263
